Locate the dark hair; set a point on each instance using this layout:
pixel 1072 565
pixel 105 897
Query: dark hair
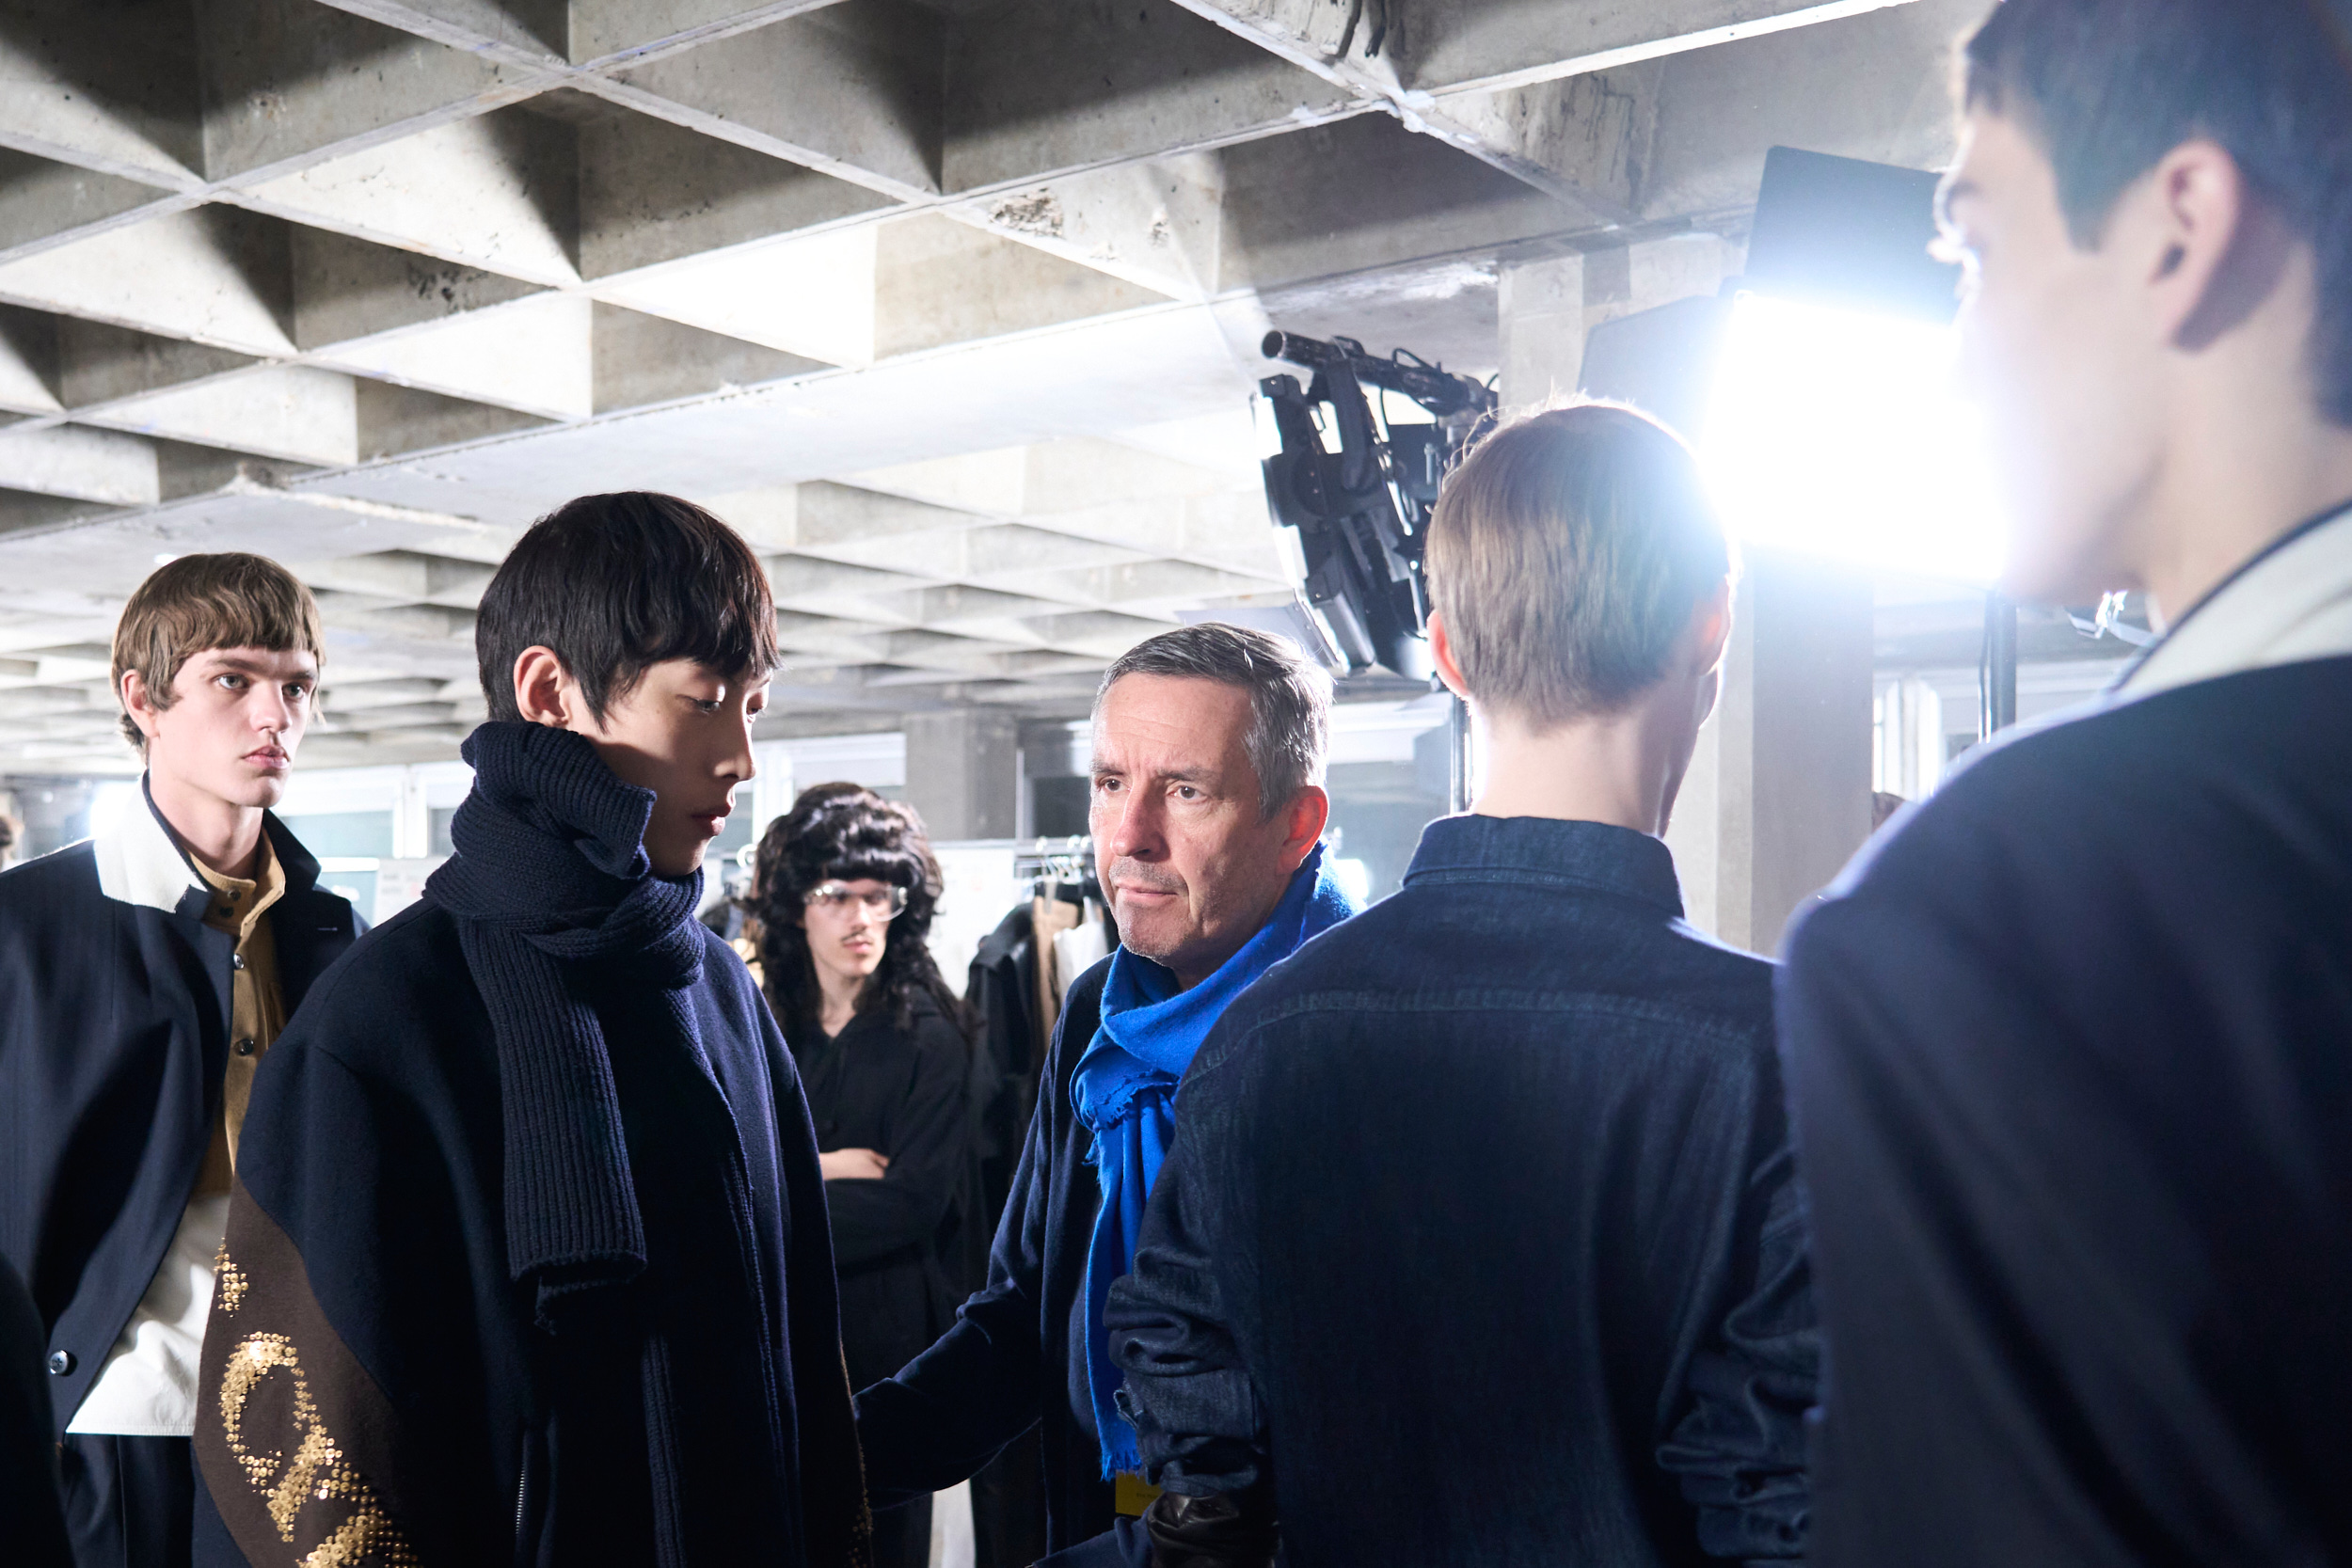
pixel 846 832
pixel 198 603
pixel 617 584
pixel 2109 87
pixel 1290 697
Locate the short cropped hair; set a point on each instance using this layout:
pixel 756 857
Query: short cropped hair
pixel 201 602
pixel 1569 550
pixel 2106 88
pixel 1290 697
pixel 617 584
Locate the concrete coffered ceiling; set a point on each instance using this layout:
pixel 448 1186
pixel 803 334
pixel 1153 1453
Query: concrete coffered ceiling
pixel 952 308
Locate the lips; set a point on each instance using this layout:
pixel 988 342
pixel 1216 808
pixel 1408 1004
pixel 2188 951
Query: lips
pixel 269 757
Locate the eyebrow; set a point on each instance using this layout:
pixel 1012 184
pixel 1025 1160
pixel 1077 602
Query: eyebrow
pixel 246 667
pixel 1206 778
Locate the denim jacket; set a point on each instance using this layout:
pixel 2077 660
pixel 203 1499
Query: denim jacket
pixel 1480 1242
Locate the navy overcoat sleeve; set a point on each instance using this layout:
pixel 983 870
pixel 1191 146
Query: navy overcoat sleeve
pixel 954 1407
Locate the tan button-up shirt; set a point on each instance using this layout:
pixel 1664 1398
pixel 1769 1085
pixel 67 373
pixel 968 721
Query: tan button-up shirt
pixel 257 1008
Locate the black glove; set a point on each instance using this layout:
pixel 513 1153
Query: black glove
pixel 1221 1530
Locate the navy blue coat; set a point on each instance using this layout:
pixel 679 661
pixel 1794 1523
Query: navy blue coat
pixel 114 1037
pixel 1012 1362
pixel 369 1230
pixel 1481 1230
pixel 2071 1051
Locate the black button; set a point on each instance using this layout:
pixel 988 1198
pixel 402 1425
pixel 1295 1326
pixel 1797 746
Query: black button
pixel 60 1362
pixel 236 960
pixel 248 1046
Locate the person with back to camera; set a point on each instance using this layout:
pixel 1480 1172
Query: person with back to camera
pixel 842 891
pixel 1481 1240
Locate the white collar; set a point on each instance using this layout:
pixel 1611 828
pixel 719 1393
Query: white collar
pixel 2291 603
pixel 140 863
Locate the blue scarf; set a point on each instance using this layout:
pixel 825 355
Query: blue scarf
pixel 1125 1093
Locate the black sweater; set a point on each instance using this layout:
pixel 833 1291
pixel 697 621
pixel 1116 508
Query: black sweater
pixel 902 1093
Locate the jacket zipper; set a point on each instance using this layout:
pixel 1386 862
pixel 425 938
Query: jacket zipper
pixel 522 1494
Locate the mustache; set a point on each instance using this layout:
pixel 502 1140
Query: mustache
pixel 1125 872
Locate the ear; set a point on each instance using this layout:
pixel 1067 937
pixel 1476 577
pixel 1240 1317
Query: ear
pixel 545 691
pixel 1441 654
pixel 139 704
pixel 1708 632
pixel 2187 228
pixel 1304 819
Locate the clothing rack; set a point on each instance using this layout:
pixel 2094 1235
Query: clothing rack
pixel 1069 861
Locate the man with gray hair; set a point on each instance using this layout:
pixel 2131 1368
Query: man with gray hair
pixel 1207 814
pixel 1479 1241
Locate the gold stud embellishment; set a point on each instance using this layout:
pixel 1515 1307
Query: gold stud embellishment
pixel 318 1470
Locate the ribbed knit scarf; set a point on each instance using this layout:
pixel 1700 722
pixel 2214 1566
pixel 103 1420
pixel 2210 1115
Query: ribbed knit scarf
pixel 551 875
pixel 1124 1090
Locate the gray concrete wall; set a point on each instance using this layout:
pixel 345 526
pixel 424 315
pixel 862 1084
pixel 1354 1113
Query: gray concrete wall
pixel 963 772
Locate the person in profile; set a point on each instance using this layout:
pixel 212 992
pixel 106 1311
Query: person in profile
pixel 1479 1240
pixel 529 1257
pixel 843 888
pixel 145 974
pixel 2068 1044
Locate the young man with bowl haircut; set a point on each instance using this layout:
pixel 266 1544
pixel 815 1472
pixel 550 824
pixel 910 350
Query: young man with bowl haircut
pixel 2069 1046
pixel 1207 814
pixel 144 974
pixel 528 1260
pixel 1480 1242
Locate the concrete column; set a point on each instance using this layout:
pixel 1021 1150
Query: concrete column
pixel 1548 305
pixel 963 772
pixel 1778 795
pixel 51 811
pixel 1540 305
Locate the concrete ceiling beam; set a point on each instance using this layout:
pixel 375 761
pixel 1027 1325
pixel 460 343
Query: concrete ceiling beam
pixel 43 203
pixel 638 361
pixel 28 362
pixel 1047 87
pixel 84 463
pixel 211 275
pixel 294 412
pixel 498 191
pixel 1502 81
pixel 852 89
pixel 938 282
pixel 534 355
pixel 123 98
pixel 651 190
pixel 1158 224
pixel 288 82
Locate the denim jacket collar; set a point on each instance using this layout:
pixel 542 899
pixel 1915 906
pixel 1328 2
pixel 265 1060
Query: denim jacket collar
pixel 1546 852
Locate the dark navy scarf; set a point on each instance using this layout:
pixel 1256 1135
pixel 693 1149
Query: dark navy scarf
pixel 1125 1093
pixel 550 871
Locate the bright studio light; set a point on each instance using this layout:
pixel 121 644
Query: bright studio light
pixel 1837 433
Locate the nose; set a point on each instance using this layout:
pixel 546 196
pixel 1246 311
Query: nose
pixel 273 715
pixel 1133 827
pixel 738 766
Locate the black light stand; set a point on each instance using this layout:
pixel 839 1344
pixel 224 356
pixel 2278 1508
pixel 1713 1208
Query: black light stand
pixel 1997 672
pixel 1457 786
